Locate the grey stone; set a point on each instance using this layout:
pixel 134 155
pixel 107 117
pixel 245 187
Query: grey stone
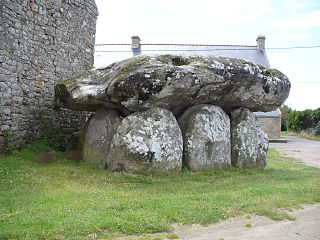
pixel 249 144
pixel 148 141
pixel 175 82
pixel 206 138
pixel 5 128
pixel 98 136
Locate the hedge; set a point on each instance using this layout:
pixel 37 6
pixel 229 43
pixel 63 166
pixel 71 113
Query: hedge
pixel 302 120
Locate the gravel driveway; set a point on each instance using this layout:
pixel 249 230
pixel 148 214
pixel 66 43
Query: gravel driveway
pixel 305 227
pixel 306 151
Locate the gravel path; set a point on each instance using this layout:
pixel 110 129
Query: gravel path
pixel 306 227
pixel 306 151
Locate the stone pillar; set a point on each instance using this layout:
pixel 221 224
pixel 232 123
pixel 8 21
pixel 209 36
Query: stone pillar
pixel 136 46
pixel 261 42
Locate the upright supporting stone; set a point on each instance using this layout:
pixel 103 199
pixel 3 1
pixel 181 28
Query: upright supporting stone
pixel 249 144
pixel 206 138
pixel 100 131
pixel 149 141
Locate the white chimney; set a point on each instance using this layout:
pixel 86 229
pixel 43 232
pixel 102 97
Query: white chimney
pixel 261 42
pixel 135 45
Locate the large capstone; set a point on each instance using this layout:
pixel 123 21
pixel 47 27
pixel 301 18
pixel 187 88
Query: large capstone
pixel 98 136
pixel 206 138
pixel 149 141
pixel 249 144
pixel 175 82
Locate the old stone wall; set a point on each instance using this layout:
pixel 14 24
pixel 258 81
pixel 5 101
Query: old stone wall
pixel 271 126
pixel 42 42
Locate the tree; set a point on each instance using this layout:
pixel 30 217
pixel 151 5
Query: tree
pixel 285 110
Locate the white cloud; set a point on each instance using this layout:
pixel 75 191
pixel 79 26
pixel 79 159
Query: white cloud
pixel 299 21
pixel 120 19
pixel 298 5
pixel 295 5
pixel 287 38
pixel 304 96
pixel 227 13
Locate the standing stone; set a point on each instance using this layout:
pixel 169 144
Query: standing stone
pixel 82 137
pixel 99 133
pixel 206 138
pixel 149 141
pixel 249 144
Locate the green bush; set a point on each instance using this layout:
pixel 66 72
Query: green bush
pixel 303 120
pixel 52 139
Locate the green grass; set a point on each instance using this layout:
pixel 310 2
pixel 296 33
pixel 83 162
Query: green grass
pixel 67 200
pixel 172 236
pixel 248 225
pixel 302 134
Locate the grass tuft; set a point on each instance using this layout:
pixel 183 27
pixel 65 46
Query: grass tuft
pixel 172 236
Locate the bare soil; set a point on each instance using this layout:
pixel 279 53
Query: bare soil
pixel 46 157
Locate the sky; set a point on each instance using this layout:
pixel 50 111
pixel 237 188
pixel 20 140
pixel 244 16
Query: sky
pixel 285 23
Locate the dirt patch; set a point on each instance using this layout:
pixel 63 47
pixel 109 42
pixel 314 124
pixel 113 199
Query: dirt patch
pixel 53 156
pixel 74 156
pixel 46 158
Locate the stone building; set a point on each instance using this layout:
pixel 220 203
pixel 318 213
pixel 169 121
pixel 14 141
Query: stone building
pixel 270 123
pixel 108 53
pixel 42 42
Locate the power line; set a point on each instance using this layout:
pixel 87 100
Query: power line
pixel 306 82
pixel 176 44
pixel 204 50
pixel 179 50
pixel 298 47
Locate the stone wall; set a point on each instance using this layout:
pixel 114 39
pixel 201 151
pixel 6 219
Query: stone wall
pixel 42 42
pixel 271 126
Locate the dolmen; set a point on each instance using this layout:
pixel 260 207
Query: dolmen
pixel 157 114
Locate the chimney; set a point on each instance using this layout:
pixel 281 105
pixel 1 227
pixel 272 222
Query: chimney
pixel 135 45
pixel 261 42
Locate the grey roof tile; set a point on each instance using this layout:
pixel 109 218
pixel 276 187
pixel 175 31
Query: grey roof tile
pixel 108 54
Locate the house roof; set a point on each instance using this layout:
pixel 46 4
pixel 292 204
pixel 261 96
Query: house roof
pixel 275 113
pixel 251 53
pixel 108 53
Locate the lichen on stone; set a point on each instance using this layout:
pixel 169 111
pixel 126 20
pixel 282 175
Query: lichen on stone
pixel 178 81
pixel 147 141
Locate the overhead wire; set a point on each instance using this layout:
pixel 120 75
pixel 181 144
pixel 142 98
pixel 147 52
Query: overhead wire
pixel 201 50
pixel 241 48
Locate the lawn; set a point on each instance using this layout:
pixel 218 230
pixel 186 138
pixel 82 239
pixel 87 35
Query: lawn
pixel 63 199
